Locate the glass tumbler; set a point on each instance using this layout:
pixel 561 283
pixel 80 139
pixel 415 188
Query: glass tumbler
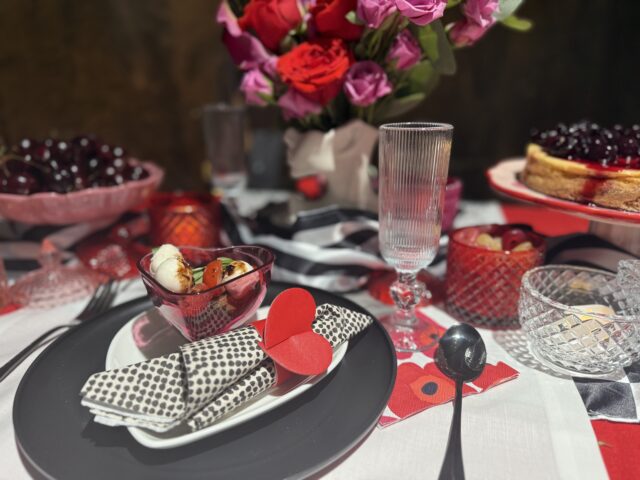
pixel 223 128
pixel 414 161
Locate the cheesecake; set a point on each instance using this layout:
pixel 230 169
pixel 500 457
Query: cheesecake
pixel 586 163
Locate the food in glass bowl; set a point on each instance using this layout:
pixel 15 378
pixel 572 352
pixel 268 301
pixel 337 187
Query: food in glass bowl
pixel 58 182
pixel 485 265
pixel 206 291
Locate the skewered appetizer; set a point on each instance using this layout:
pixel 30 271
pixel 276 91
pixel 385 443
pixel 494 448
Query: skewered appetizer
pixel 171 270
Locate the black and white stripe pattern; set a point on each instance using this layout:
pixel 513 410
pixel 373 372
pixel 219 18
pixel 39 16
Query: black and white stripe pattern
pixel 331 248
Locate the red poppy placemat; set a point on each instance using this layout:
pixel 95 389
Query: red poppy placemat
pixel 421 385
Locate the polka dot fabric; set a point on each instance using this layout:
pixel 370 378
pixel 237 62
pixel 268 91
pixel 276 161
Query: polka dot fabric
pixel 206 380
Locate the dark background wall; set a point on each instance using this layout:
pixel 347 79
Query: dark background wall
pixel 136 73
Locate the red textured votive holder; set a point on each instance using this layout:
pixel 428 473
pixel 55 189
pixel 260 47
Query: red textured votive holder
pixel 184 219
pixel 482 285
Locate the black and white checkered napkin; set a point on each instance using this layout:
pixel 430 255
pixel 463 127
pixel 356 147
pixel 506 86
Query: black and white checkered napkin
pixel 616 400
pixel 204 380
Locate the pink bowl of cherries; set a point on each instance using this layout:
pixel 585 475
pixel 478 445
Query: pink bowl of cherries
pixel 59 182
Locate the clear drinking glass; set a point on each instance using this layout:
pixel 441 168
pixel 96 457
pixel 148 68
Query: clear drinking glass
pixel 414 161
pixel 223 128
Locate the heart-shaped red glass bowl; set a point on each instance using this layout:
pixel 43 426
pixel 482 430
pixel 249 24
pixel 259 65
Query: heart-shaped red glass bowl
pixel 218 309
pixel 50 208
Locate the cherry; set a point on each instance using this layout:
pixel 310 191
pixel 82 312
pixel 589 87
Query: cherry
pixel 22 183
pixel 512 238
pixel 120 164
pixel 60 181
pixel 135 173
pixel 66 165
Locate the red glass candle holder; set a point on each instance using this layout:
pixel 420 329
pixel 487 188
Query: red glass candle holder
pixel 482 285
pixel 184 219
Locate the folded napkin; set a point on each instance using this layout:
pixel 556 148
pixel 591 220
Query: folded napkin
pixel 421 385
pixel 204 380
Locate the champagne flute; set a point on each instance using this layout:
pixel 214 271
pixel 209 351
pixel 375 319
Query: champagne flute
pixel 414 161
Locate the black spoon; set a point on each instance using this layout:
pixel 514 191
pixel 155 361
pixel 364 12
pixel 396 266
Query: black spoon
pixel 461 356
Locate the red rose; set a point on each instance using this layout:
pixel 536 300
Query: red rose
pixel 271 20
pixel 316 69
pixel 329 19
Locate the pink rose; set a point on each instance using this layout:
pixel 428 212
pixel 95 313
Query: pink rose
pixel 374 12
pixel 256 87
pixel 296 105
pixel 405 51
pixel 481 11
pixel 365 83
pixel 478 19
pixel 246 50
pixel 421 12
pixel 466 32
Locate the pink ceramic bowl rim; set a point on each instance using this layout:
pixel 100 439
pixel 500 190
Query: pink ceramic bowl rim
pixel 267 264
pixel 155 176
pixel 541 248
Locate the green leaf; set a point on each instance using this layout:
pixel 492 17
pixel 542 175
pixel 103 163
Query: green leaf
pixel 517 23
pixel 398 106
pixel 506 9
pixel 453 3
pixel 225 261
pixel 434 42
pixel 154 250
pixel 428 40
pixel 198 273
pixel 353 18
pixel 419 76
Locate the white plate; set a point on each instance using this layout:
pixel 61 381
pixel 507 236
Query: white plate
pixel 148 335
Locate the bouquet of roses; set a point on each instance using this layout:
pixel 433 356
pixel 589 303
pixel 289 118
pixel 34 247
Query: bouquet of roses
pixel 324 62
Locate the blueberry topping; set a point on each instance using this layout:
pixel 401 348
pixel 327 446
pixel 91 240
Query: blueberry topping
pixel 617 146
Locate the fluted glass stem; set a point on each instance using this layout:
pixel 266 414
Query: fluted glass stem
pixel 406 293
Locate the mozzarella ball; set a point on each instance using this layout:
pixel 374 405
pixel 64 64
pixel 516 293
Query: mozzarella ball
pixel 163 253
pixel 174 275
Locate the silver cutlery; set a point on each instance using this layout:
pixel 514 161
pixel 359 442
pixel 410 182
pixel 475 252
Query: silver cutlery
pixel 100 302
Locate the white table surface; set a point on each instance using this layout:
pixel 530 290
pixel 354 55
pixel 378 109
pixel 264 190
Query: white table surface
pixel 534 427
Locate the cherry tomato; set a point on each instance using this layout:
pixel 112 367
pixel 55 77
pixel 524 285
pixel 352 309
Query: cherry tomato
pixel 212 275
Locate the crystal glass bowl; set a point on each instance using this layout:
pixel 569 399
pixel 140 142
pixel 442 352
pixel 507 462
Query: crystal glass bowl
pixel 218 309
pixel 553 309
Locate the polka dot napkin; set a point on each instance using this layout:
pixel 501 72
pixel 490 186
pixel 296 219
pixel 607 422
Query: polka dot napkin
pixel 203 381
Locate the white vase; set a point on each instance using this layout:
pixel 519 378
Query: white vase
pixel 342 155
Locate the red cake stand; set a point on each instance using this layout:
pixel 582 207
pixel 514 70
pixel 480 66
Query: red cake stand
pixel 619 227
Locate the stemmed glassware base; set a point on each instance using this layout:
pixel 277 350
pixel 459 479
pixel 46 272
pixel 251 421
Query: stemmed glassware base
pixel 408 332
pixel 415 337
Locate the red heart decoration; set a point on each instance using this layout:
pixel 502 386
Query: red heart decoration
pixel 288 338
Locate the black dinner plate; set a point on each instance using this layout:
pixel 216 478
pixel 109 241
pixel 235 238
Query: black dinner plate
pixel 57 438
